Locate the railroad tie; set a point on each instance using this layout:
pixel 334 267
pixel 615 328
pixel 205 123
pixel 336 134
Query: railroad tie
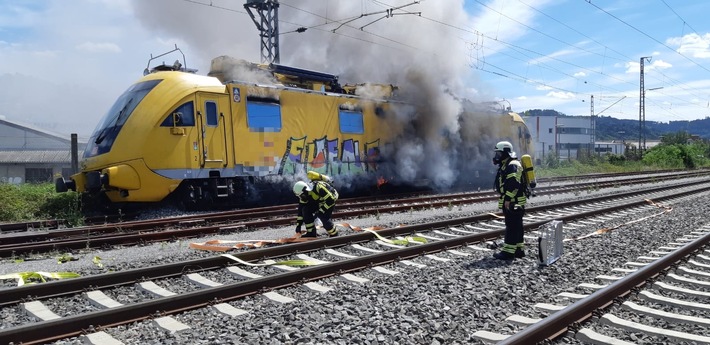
pixel 664 286
pixel 697 264
pixel 439 232
pixel 681 279
pixel 572 296
pixel 489 337
pixel 436 258
pixel 635 264
pixel 340 254
pixel 547 307
pixel 648 258
pixel 229 310
pixel 607 278
pixel 591 286
pixel 365 249
pixel 688 271
pixel 624 270
pixel 589 336
pixel 99 338
pixel 243 273
pixel 520 320
pixel 433 238
pixel 614 321
pixel 461 230
pixel 99 299
pixel 198 279
pixel 313 286
pixel 154 289
pixel 652 297
pixel 664 315
pixel 39 310
pixel 170 324
pixel 475 229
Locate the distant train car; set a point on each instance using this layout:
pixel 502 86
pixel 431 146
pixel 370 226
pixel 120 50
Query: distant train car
pixel 202 141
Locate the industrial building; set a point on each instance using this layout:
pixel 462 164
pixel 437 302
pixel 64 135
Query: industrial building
pixel 567 137
pixel 30 154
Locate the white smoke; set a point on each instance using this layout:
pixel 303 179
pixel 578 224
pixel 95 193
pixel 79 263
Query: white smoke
pixel 426 60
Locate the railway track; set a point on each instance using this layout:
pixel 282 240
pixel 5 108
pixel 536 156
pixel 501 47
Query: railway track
pixel 347 257
pixel 129 219
pixel 623 292
pixel 140 232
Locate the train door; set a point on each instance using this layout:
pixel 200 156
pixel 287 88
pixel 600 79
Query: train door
pixel 213 125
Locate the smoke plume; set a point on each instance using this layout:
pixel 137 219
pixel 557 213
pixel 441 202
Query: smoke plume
pixel 360 42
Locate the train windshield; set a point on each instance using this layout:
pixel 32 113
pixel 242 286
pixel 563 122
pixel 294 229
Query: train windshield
pixel 110 125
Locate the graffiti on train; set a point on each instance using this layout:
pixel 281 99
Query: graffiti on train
pixel 330 156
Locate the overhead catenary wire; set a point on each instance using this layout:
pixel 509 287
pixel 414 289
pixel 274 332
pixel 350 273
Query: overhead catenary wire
pixel 398 44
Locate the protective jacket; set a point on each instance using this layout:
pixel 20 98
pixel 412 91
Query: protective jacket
pixel 322 197
pixel 508 183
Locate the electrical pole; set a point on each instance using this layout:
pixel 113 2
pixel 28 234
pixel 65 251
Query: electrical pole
pixel 268 26
pixel 593 120
pixel 642 109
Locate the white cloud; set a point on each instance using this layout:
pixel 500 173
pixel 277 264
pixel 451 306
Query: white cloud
pixel 692 44
pixel 561 95
pixel 580 74
pixel 542 87
pixel 92 47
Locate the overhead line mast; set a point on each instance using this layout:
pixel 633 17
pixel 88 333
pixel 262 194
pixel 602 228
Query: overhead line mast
pixel 268 25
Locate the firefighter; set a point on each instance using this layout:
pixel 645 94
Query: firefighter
pixel 512 200
pixel 316 201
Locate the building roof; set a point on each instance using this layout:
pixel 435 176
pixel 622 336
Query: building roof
pixel 39 131
pixel 38 156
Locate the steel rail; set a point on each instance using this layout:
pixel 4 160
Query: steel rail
pixel 270 211
pixel 558 323
pixel 12 245
pixel 74 325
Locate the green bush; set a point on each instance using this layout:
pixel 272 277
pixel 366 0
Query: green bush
pixel 38 201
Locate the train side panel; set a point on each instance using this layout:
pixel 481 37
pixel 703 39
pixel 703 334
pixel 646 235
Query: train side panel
pixel 308 131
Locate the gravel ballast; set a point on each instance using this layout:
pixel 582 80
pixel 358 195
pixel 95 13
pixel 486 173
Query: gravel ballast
pixel 442 303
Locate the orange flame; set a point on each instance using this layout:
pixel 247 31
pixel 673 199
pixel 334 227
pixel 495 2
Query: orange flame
pixel 380 181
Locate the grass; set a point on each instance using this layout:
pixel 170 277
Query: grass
pixel 31 201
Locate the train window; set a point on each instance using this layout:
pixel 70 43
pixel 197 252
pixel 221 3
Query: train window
pixel 351 122
pixel 263 117
pixel 185 116
pixel 110 125
pixel 211 110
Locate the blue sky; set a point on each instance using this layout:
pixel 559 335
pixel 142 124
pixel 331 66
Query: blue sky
pixel 62 63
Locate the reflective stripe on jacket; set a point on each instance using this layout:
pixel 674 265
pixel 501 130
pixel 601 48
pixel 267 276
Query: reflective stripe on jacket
pixel 508 183
pixel 323 193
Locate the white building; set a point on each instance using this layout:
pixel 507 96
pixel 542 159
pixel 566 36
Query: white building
pixel 563 136
pixel 29 154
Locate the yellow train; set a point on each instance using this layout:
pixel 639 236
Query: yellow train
pixel 203 140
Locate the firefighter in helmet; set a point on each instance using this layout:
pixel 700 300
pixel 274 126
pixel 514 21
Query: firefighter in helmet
pixel 316 201
pixel 512 200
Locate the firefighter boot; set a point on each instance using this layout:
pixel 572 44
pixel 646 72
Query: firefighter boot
pixel 519 253
pixel 332 232
pixel 311 233
pixel 504 256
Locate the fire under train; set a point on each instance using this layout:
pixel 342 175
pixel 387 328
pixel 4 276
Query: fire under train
pixel 203 140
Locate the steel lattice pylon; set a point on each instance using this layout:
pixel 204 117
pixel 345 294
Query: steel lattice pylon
pixel 268 25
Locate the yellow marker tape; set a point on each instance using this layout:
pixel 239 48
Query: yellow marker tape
pixel 25 277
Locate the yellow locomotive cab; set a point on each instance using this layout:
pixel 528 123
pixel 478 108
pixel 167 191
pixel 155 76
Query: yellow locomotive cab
pixel 206 140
